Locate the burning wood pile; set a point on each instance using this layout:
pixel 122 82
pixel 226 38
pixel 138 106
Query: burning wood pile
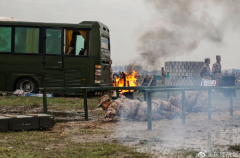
pixel 126 79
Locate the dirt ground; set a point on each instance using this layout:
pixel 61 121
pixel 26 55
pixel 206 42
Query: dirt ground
pixel 60 115
pixel 96 131
pixel 20 109
pixel 170 136
pixel 167 138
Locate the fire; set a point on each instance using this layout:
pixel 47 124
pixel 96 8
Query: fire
pixel 127 80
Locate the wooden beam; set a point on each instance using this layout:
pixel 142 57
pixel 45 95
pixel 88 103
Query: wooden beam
pixel 151 80
pixel 143 79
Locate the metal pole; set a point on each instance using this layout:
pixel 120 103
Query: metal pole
pixel 168 95
pixel 209 104
pixel 149 112
pixel 231 102
pixel 117 93
pixel 85 105
pixel 45 101
pixel 183 107
pixel 145 96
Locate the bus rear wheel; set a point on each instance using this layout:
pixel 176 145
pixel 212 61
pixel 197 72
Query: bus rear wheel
pixel 27 85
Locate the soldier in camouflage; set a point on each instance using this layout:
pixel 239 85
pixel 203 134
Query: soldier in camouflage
pixel 194 101
pixel 163 77
pixel 205 72
pixel 217 73
pixel 135 109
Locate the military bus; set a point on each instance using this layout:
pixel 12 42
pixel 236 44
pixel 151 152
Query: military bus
pixel 34 55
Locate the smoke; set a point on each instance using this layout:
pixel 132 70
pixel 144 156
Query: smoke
pixel 181 25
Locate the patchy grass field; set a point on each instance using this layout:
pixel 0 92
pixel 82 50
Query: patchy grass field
pixel 79 139
pixel 62 142
pixel 56 103
pixel 77 103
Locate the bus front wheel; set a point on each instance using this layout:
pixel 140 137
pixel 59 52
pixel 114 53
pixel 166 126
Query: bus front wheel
pixel 27 85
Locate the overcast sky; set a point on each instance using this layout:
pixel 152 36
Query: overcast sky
pixel 127 21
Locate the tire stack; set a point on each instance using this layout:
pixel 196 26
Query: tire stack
pixel 183 73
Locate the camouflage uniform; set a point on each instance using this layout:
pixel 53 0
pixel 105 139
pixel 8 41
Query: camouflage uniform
pixel 135 109
pixel 205 72
pixel 163 77
pixel 217 74
pixel 194 101
pixel 160 110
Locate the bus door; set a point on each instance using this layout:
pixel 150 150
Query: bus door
pixel 53 58
pixel 53 49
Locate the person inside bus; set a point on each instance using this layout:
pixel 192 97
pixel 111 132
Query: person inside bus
pixel 78 44
pixel 73 45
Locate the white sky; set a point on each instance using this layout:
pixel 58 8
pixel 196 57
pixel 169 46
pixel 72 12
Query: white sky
pixel 127 20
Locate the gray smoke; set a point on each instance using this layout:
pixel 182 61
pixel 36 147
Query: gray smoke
pixel 184 25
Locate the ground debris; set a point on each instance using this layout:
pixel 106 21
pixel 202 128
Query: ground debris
pixel 143 141
pixel 21 109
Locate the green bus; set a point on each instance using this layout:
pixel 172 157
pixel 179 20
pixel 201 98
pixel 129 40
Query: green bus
pixel 36 55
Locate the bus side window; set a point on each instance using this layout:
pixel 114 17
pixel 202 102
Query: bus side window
pixel 76 43
pixel 26 40
pixel 80 45
pixel 5 39
pixel 83 41
pixel 53 41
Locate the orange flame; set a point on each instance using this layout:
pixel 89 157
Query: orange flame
pixel 130 81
